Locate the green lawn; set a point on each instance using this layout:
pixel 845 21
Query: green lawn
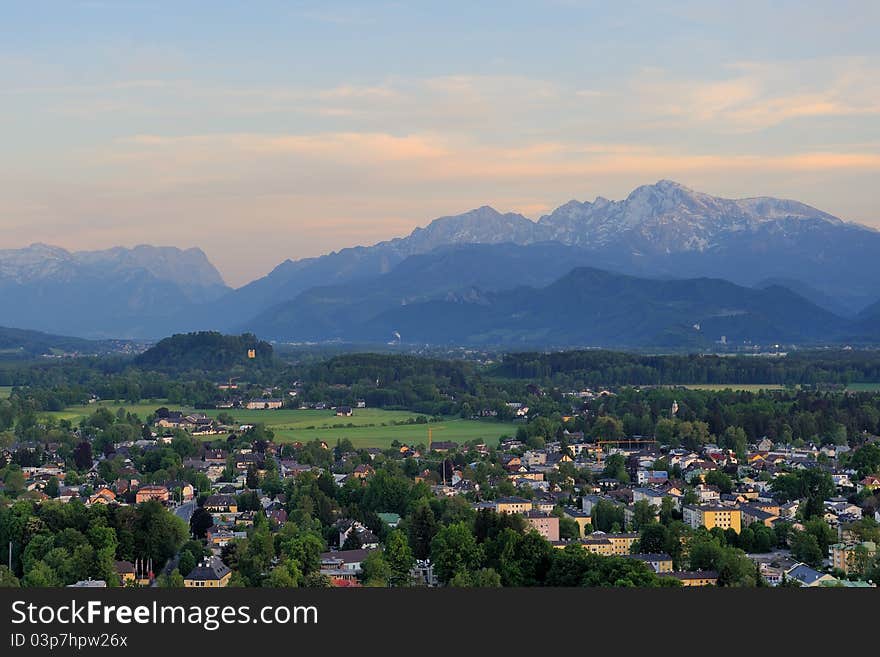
pixel 4 391
pixel 373 427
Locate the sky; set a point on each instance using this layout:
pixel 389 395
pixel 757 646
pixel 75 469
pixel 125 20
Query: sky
pixel 260 131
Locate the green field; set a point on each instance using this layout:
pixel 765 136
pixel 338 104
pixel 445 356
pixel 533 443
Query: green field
pixel 372 427
pixel 454 429
pixel 77 413
pixel 4 391
pixel 863 387
pixel 738 387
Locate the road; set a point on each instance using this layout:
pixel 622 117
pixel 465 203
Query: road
pixel 185 511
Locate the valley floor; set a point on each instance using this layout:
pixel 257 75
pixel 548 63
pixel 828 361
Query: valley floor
pixel 367 427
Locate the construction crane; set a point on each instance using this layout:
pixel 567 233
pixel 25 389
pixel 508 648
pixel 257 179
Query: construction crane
pixel 629 442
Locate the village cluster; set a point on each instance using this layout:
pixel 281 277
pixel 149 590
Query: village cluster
pixel 633 480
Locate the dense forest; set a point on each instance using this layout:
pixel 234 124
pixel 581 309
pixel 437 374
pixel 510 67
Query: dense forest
pixel 607 368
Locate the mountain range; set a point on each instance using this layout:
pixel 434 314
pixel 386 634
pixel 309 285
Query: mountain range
pixel 114 293
pixel 661 250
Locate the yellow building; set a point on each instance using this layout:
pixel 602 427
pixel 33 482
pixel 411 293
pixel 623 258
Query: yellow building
pixel 610 544
pixel 660 563
pixel 621 543
pixel 724 517
pixel 847 556
pixel 210 573
pixel 695 577
pixel 584 521
pixel 512 505
pixel 126 572
pixel 600 546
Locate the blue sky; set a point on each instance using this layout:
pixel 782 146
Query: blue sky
pixel 266 130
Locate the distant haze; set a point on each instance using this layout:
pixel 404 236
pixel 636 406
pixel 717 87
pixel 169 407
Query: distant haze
pixel 264 131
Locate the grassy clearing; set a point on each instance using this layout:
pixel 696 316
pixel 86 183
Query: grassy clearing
pixel 864 387
pixel 284 418
pixel 737 387
pixel 4 391
pixel 372 427
pixel 77 413
pixel 454 429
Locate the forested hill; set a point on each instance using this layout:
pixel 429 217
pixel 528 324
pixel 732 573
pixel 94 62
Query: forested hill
pixel 206 351
pixel 22 344
pixel 598 367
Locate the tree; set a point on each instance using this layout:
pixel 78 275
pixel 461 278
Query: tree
pixel 483 578
pixel 812 485
pixel 301 545
pixel 735 438
pixel 606 515
pixel 615 468
pixel 455 550
pixel 286 575
pixel 608 427
pixel 718 478
pixel 200 521
pixel 667 510
pixel 805 548
pixel 8 578
pixel 653 538
pixel 644 513
pixel 41 575
pixel 569 529
pixel 825 536
pixel 664 431
pixel 317 581
pixel 51 487
pixel 399 557
pixel 158 534
pixel 252 479
pixel 82 455
pixel 736 569
pixel 186 563
pixel 866 459
pixel 422 527
pixel 172 581
pixel 375 569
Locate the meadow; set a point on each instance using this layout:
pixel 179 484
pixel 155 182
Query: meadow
pixel 367 427
pixel 863 387
pixel 4 391
pixel 737 387
pixel 77 413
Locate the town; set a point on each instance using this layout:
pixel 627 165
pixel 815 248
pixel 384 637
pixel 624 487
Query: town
pixel 594 486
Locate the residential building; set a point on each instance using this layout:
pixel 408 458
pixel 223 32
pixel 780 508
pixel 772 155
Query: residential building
pixel 152 492
pixel 512 505
pixel 751 514
pixel 695 577
pixel 211 572
pixel 584 520
pixel 264 404
pixel 221 504
pixel 619 543
pixel 650 495
pixel 661 563
pixel 847 556
pixel 807 576
pixel 712 516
